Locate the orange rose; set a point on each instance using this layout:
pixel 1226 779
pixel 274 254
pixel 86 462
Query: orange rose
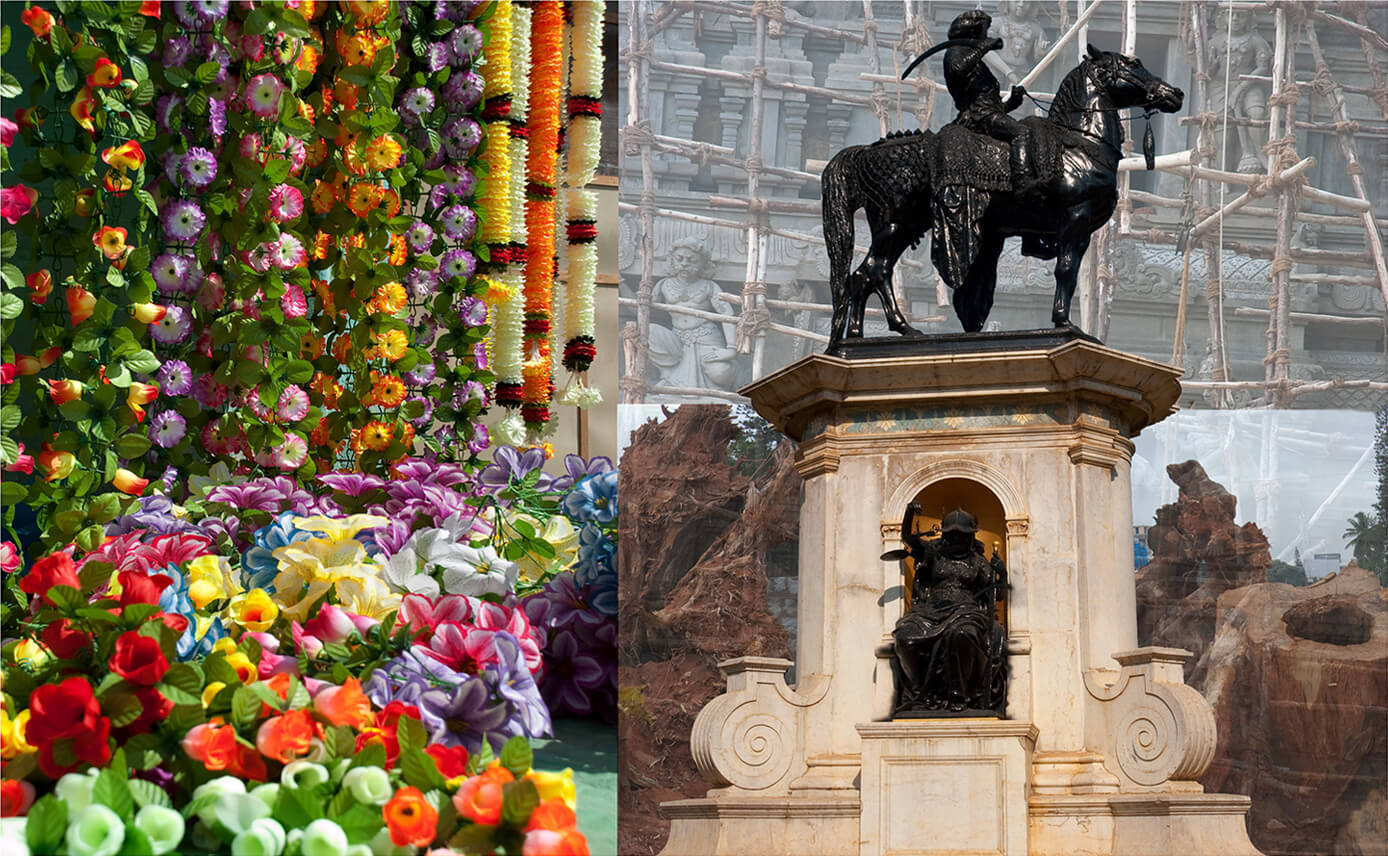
pixel 149 313
pixel 58 465
pixel 81 109
pixel 286 736
pixel 42 284
pixel 81 303
pixel 140 394
pixel 37 20
pixel 410 819
pixel 479 798
pixel 63 391
pixel 345 705
pixel 127 482
pixel 106 74
pixel 111 240
pixel 127 155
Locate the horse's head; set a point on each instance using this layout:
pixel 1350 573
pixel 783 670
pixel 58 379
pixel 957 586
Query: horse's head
pixel 1130 84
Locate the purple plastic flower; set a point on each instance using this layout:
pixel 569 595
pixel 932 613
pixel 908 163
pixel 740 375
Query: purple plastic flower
pixel 510 465
pixel 175 378
pixel 167 429
pixel 170 272
pixel 421 375
pixel 183 220
pixel 426 412
pixel 420 283
pixel 352 484
pixel 173 328
pixel 211 10
pixel 465 716
pixel 481 438
pixel 416 102
pixel 465 42
pixel 463 91
pixel 516 684
pixel 458 263
pixel 217 117
pixel 248 497
pixel 576 469
pixel 472 312
pixel 461 136
pixel 459 222
pixel 420 236
pixel 176 51
pixel 165 109
pixel 199 168
pixel 439 56
pixel 573 676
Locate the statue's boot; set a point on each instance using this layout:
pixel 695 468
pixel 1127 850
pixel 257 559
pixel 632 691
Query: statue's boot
pixel 1024 186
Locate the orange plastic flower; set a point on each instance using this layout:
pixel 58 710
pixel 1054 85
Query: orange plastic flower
pixel 479 798
pixel 368 12
pixel 410 818
pixel 127 155
pixel 57 465
pixel 377 435
pixel 149 313
pixel 390 297
pixel 307 60
pixel 41 282
pixel 81 303
pixel 81 109
pixel 363 198
pixel 323 198
pixel 321 435
pixel 387 390
pixel 106 74
pixel 127 482
pixel 140 394
pixel 37 20
pixel 359 50
pixel 86 202
pixel 554 814
pixel 391 200
pixel 341 347
pixel 310 346
pixel 397 251
pixel 317 152
pixel 285 736
pixel 390 345
pixel 115 184
pixel 345 94
pixel 111 240
pixel 345 705
pixel 63 391
pixel 407 439
pixel 383 152
pixel 150 8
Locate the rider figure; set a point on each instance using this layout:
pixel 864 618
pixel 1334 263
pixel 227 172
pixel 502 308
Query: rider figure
pixel 975 93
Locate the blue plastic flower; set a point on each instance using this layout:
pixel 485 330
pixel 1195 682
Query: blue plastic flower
pixel 258 564
pixel 593 500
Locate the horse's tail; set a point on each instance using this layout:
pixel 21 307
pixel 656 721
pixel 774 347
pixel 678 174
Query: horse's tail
pixel 839 205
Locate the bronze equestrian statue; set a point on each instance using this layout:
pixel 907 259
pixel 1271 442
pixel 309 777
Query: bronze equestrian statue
pixel 964 183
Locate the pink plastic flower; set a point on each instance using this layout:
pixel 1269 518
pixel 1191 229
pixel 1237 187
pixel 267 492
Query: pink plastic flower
pixel 286 203
pixel 9 557
pixel 292 404
pixel 263 95
pixel 7 131
pixel 293 304
pixel 291 453
pixel 22 464
pixel 16 201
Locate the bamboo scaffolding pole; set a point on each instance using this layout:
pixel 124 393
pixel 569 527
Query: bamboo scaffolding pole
pixel 754 283
pixel 1060 43
pixel 1287 176
pixel 633 388
pixel 751 11
pixel 1277 364
pixel 1353 166
pixel 1311 317
pixel 1203 195
pixel 732 319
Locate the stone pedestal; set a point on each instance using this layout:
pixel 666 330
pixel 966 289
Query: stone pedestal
pixel 1035 429
pixel 977 767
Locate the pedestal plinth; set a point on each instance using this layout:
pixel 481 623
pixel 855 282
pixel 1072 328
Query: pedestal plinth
pixel 1036 436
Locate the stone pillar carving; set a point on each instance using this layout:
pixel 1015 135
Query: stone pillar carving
pixel 1160 732
pixel 749 737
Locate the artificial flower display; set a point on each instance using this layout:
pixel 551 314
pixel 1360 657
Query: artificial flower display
pixel 285 596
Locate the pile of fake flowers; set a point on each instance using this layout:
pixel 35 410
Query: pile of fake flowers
pixel 350 666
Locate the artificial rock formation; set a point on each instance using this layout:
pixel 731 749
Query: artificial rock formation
pixel 696 536
pixel 1297 676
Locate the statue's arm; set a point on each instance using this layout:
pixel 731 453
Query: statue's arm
pixel 963 61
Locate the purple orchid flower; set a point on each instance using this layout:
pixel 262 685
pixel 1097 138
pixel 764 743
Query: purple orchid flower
pixel 510 465
pixel 577 469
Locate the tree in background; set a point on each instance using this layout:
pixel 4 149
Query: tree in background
pixel 1368 533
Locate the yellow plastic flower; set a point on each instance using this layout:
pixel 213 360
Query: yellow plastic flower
pixel 30 653
pixel 390 345
pixel 211 691
pixel 497 292
pixel 254 610
pixel 245 670
pixel 12 735
pixel 341 528
pixel 390 297
pixel 388 390
pixel 368 596
pixel 309 569
pixel 551 785
pixel 376 435
pixel 559 532
pixel 383 152
pixel 209 579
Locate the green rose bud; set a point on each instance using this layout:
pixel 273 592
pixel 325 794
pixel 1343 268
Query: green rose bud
pixel 267 793
pixel 323 837
pixel 220 785
pixel 265 837
pixel 95 831
pixel 294 842
pixel 369 785
pixel 162 826
pixel 233 814
pixel 339 770
pixel 75 789
pixel 303 774
pixel 317 751
pixel 359 850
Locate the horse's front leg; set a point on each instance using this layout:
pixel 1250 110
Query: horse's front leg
pixel 1067 271
pixel 888 243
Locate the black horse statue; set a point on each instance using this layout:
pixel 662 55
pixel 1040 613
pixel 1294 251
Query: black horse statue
pixel 960 183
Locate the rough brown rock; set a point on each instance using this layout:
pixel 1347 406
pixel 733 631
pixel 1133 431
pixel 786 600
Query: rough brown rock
pixel 693 591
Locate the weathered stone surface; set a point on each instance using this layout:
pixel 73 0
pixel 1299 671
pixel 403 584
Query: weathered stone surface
pixel 1297 677
pixel 692 571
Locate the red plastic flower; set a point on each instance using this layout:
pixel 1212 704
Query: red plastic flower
pixel 286 736
pixel 50 571
pixel 451 760
pixel 105 75
pixel 15 798
pixel 139 659
pixel 68 712
pixel 141 588
pixel 384 730
pixel 153 708
pixel 16 201
pixel 38 20
pixel 64 640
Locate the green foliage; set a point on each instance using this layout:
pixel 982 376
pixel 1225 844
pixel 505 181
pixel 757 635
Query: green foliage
pixel 1284 572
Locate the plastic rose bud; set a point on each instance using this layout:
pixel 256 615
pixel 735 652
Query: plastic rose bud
pixel 162 826
pixel 219 785
pixel 323 837
pixel 12 832
pixel 267 793
pixel 233 814
pixel 370 785
pixel 303 774
pixel 265 837
pixel 359 850
pixel 75 789
pixel 95 831
pixel 127 482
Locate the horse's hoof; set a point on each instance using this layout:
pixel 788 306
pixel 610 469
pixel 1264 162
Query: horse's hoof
pixel 908 331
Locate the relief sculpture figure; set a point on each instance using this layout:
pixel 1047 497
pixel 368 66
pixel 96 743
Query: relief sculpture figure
pixel 983 178
pixel 693 352
pixel 950 650
pixel 1234 53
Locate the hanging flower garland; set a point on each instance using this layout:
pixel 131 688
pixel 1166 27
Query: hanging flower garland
pixel 547 49
pixel 584 143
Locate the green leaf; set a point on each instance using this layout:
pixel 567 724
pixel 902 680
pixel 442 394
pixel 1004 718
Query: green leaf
pixel 12 493
pixel 293 24
pixel 112 791
pixel 148 793
pixel 46 825
pixel 258 23
pixel 268 696
pixel 10 306
pixel 419 769
pixel 12 277
pixel 518 800
pixel 299 371
pixel 411 734
pixel 122 708
pixel 9 242
pixel 132 445
pixel 144 752
pixel 177 695
pixel 245 708
pixel 371 755
pixel 207 72
pixel 67 598
pixel 276 171
pixel 296 808
pixel 142 361
pixel 188 678
pixel 361 823
pixel 357 75
pixel 517 756
pixel 9 86
pixel 147 200
pixel 474 838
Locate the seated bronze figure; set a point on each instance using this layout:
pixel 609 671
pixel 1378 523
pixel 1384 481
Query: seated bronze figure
pixel 950 651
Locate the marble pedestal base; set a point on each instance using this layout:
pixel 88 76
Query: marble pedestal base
pixel 945 786
pixel 823 824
